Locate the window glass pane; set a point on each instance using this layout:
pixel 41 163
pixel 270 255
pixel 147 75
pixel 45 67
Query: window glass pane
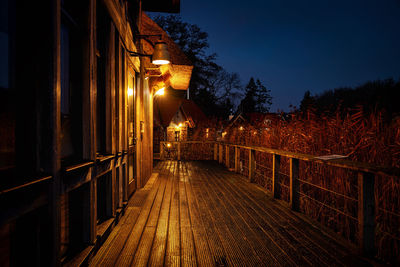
pixel 131 106
pixel 4 45
pixel 7 100
pixel 130 166
pixel 64 69
pixel 4 64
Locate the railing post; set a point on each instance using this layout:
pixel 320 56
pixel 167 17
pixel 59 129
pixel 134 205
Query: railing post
pixel 161 151
pixel 252 164
pixel 227 156
pixel 220 154
pixel 294 198
pixel 236 159
pixel 276 163
pixel 215 151
pixel 366 213
pixel 179 150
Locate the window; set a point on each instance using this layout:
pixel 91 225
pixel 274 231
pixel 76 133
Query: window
pixel 131 93
pixel 7 98
pixel 177 135
pixel 102 38
pixel 4 44
pixel 131 108
pixel 72 64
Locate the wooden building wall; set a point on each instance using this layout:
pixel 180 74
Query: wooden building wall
pixel 64 168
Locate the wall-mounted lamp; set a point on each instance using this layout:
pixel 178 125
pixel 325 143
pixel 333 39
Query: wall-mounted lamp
pixel 160 54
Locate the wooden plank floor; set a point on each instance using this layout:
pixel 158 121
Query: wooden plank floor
pixel 199 214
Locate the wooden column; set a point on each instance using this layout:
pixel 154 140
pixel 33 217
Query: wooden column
pixel 276 162
pixel 366 213
pixel 252 164
pixel 220 148
pixel 215 152
pixel 237 159
pixel 227 156
pixel 161 151
pixel 89 211
pixel 89 98
pixel 179 150
pixel 294 198
pixel 93 206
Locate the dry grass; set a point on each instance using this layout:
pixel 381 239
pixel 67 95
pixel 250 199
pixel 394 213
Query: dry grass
pixel 361 137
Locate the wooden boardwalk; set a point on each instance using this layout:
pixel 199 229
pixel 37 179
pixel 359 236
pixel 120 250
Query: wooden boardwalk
pixel 197 213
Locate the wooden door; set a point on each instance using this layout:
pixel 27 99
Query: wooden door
pixel 131 132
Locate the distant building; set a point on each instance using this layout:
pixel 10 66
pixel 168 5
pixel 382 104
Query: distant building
pixel 255 119
pixel 174 118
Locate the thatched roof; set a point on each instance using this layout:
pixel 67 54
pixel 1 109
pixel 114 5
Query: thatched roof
pixel 180 68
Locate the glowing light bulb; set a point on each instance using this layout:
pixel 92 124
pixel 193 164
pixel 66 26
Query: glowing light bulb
pixel 160 91
pixel 130 91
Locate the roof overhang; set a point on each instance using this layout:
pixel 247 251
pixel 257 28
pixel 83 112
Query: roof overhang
pixel 177 74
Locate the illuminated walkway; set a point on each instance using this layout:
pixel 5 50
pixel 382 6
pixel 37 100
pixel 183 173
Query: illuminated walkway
pixel 197 213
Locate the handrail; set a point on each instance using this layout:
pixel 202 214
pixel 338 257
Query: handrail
pixel 102 158
pixel 79 166
pixel 39 180
pixel 342 163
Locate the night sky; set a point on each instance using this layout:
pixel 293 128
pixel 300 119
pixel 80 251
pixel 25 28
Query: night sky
pixel 293 46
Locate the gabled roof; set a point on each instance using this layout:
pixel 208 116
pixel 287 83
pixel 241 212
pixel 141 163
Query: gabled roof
pixel 166 107
pixel 254 118
pixel 192 110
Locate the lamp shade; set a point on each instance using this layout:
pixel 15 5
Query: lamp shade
pixel 160 54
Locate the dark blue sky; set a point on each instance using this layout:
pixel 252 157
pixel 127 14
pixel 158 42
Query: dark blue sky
pixel 293 46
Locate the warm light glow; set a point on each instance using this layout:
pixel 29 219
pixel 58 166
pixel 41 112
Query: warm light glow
pixel 146 78
pixel 207 130
pixel 160 91
pixel 160 55
pixel 160 62
pixel 168 145
pixel 255 132
pixel 180 124
pixel 223 134
pixel 130 91
pixel 241 128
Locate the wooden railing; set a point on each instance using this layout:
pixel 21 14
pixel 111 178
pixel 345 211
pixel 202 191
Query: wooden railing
pixel 249 161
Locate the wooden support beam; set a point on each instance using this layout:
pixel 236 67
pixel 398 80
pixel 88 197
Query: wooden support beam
pixel 237 159
pixel 227 156
pixel 179 150
pixel 113 208
pixel 92 209
pixel 252 164
pixel 215 152
pixel 294 198
pixel 220 149
pixel 276 162
pixel 366 213
pixel 162 151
